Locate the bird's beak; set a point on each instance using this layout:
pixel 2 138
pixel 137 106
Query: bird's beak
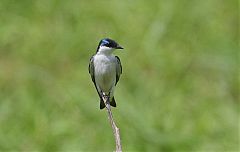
pixel 119 47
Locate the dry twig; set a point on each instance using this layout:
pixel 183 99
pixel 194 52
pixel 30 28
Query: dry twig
pixel 114 127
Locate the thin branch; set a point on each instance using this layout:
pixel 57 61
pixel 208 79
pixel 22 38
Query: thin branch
pixel 114 127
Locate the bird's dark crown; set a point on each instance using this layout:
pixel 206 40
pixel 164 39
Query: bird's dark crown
pixel 107 42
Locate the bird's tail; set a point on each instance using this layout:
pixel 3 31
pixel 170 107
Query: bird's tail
pixel 102 104
pixel 112 103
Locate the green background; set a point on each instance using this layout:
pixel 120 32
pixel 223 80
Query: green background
pixel 178 91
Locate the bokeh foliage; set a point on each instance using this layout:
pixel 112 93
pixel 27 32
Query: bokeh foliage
pixel 178 91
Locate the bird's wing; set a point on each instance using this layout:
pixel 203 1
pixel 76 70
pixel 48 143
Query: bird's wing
pixel 118 69
pixel 91 71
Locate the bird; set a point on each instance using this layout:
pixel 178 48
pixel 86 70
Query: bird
pixel 105 70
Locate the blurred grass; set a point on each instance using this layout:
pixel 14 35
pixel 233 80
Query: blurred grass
pixel 180 85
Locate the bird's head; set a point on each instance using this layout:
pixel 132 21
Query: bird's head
pixel 107 45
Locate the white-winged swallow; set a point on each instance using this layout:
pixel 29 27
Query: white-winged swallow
pixel 105 70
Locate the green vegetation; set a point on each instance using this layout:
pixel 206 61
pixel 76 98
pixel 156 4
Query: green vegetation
pixel 179 88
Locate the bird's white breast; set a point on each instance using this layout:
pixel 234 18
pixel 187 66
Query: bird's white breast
pixel 105 71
